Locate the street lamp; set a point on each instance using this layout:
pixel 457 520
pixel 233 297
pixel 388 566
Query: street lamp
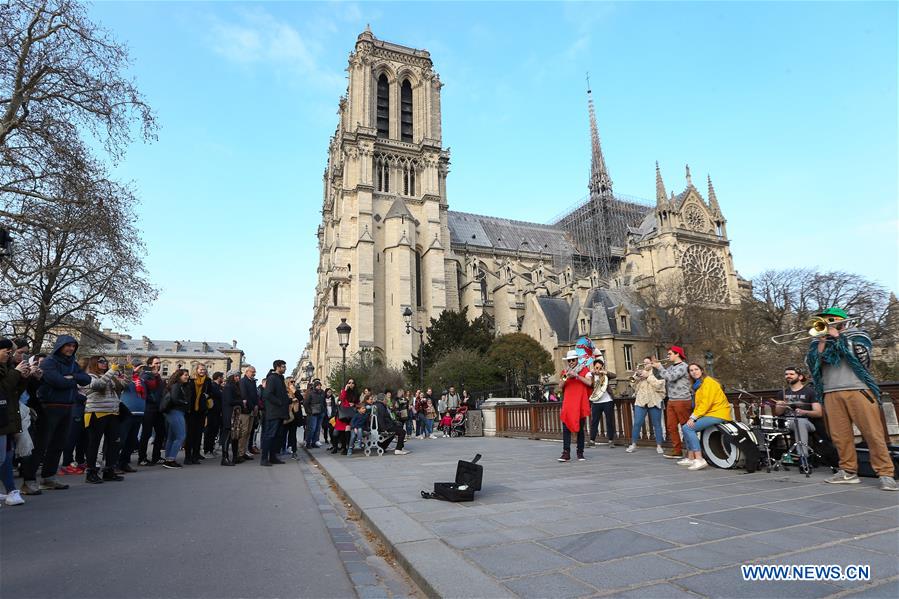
pixel 709 362
pixel 343 338
pixel 407 316
pixel 310 370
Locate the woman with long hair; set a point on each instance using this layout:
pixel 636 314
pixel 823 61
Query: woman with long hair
pixel 101 417
pixel 176 403
pixel 232 401
pixel 711 408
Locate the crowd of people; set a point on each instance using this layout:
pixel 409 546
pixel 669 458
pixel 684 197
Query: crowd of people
pixel 59 413
pixel 841 394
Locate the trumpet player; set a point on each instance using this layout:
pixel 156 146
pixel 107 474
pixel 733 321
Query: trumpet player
pixel 649 391
pixel 602 402
pixel 839 362
pixel 679 406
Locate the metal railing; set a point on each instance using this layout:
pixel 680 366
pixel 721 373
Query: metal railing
pixel 541 420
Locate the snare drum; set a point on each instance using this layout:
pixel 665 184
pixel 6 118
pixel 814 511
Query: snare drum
pixel 772 423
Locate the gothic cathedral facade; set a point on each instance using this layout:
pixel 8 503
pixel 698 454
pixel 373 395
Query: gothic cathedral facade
pixel 388 241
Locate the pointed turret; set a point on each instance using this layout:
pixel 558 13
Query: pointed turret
pixel 661 196
pixel 713 199
pixel 600 182
pixel 689 178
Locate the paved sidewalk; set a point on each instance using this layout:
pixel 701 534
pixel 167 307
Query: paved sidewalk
pixel 619 524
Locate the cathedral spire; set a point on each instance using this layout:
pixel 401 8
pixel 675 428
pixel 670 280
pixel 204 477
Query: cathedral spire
pixel 600 183
pixel 661 196
pixel 713 199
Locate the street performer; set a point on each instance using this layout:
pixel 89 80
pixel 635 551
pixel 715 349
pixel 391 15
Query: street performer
pixel 839 362
pixel 805 404
pixel 576 385
pixel 680 400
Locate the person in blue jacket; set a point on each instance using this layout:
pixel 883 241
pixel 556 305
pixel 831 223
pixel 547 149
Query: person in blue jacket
pixel 57 394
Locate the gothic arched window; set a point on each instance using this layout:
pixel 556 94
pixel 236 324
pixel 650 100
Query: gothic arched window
pixel 383 106
pixel 406 112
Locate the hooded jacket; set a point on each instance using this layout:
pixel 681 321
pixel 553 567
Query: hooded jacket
pixel 56 388
pixel 313 402
pixel 102 393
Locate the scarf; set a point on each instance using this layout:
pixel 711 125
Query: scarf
pixel 198 387
pixel 139 386
pixel 834 352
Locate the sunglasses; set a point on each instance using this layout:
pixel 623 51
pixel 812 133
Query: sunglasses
pixel 102 361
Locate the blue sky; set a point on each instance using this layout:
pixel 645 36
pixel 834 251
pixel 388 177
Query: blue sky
pixel 792 108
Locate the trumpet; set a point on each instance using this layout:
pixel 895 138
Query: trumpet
pixel 817 327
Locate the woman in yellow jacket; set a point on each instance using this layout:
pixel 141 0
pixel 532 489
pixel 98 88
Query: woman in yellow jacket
pixel 711 407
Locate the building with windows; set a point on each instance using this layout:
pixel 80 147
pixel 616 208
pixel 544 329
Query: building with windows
pixel 389 241
pixel 174 354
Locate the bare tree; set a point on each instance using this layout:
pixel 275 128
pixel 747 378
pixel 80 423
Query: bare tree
pixel 91 265
pixel 61 86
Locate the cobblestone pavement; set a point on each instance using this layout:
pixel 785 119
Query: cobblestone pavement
pixel 618 524
pixel 371 574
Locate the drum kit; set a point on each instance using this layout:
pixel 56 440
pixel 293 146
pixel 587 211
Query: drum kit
pixel 766 440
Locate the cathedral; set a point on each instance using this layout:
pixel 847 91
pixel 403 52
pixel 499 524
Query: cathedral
pixel 388 240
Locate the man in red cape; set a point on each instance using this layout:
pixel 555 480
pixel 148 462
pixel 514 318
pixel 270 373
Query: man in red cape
pixel 576 386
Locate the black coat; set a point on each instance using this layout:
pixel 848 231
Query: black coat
pixel 249 393
pixel 275 396
pixel 231 398
pixel 314 402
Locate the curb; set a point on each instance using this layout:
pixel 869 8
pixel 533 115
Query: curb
pixel 438 569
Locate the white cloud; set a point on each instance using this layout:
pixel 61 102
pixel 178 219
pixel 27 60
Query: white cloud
pixel 255 37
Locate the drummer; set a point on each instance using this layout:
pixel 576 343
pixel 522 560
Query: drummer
pixel 805 405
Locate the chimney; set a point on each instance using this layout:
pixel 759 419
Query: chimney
pixel 234 344
pixel 205 348
pixel 177 346
pixel 146 341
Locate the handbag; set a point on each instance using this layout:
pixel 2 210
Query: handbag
pixel 345 413
pixel 166 402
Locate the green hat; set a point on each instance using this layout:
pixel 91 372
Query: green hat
pixel 838 312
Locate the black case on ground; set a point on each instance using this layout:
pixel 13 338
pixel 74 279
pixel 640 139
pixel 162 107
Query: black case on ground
pixel 864 460
pixel 467 473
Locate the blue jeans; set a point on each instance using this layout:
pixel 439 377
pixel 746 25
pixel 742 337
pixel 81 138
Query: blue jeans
pixel 177 432
pixel 408 426
pixel 6 459
pixel 597 409
pixel 691 435
pixel 655 418
pixel 355 435
pixel 429 427
pixel 313 429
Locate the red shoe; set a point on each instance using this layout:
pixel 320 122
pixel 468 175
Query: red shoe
pixel 80 469
pixel 70 469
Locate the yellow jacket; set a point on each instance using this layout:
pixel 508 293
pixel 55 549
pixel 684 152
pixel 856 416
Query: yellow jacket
pixel 711 401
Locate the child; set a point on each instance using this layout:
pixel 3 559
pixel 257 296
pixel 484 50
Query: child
pixel 357 424
pixel 446 423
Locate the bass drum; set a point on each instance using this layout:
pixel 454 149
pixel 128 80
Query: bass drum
pixel 730 445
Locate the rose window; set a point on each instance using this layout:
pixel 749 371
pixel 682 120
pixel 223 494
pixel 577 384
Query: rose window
pixel 704 274
pixel 696 219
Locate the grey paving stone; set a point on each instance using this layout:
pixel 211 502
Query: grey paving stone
pixel 887 590
pixel 863 523
pixel 885 543
pixel 397 526
pixel 524 533
pixel 798 537
pixel 655 591
pixel 366 498
pixel 729 583
pixel 605 545
pixel 687 531
pixel 549 585
pixel 443 572
pixel 756 519
pixel 461 526
pixel 722 553
pixel 517 559
pixel 813 507
pixel 372 592
pixel 363 578
pixel 581 524
pixel 478 539
pixel 630 571
pixel 882 566
pixel 864 495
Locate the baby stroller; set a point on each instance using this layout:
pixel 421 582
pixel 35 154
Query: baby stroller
pixel 371 437
pixel 458 426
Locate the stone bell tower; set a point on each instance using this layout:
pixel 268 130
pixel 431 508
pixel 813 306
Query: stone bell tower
pixel 383 241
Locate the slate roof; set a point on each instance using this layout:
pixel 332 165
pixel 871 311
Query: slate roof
pixel 491 232
pixel 601 305
pixel 556 311
pixel 166 348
